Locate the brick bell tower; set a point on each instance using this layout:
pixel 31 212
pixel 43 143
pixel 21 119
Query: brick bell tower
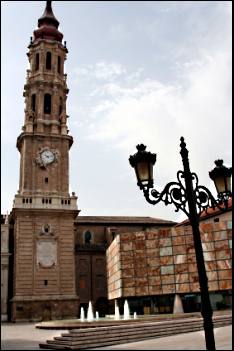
pixel 43 210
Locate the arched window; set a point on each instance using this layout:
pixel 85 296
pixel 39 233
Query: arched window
pixel 37 62
pixel 48 60
pixel 59 64
pixel 113 233
pixel 33 102
pixel 47 103
pixel 87 237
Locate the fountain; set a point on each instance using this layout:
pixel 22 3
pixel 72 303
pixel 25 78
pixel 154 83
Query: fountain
pixel 126 310
pixel 90 315
pixel 117 315
pixel 97 315
pixel 135 315
pixel 82 315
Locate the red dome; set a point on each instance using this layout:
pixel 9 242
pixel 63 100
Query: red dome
pixel 48 32
pixel 48 25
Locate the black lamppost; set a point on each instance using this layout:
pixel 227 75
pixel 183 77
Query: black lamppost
pixel 192 199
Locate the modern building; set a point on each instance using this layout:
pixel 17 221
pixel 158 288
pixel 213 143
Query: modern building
pixel 156 270
pixel 213 215
pixel 55 261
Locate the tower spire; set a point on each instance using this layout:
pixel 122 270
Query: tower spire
pixel 48 25
pixel 48 5
pixel 48 16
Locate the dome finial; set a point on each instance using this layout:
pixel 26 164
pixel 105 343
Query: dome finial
pixel 48 16
pixel 48 25
pixel 48 5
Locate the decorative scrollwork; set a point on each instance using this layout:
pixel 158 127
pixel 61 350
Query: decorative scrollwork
pixel 175 193
pixel 186 194
pixel 205 200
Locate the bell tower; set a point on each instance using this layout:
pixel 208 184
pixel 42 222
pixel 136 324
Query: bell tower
pixel 43 210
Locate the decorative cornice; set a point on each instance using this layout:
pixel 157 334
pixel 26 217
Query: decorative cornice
pixel 42 135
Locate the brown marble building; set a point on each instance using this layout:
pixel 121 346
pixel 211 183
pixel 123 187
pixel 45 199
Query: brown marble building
pixel 150 268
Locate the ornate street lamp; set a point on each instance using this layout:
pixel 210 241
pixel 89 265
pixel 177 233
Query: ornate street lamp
pixel 143 162
pixel 221 176
pixel 192 199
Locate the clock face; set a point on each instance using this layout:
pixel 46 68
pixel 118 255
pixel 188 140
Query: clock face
pixel 47 156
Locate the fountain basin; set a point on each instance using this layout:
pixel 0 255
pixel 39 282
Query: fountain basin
pixel 109 321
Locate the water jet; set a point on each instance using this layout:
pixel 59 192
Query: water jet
pixel 90 315
pixel 126 310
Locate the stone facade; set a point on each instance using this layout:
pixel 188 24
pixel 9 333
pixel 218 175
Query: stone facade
pixel 44 265
pixel 104 229
pixel 217 216
pixel 4 267
pixel 44 212
pixel 93 235
pixel 91 280
pixel 212 215
pixel 161 262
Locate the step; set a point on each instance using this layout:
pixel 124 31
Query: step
pixel 104 336
pixel 93 332
pixel 126 336
pixel 85 345
pixel 153 328
pixel 160 333
pixel 133 326
pixel 97 344
pixel 116 333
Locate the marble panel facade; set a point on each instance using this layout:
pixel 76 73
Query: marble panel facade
pixel 163 261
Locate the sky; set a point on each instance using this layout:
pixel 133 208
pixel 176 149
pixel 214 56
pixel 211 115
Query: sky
pixel 138 72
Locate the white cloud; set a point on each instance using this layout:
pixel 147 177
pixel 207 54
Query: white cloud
pixel 104 106
pixel 100 71
pixel 153 76
pixel 118 31
pixel 108 71
pixel 157 114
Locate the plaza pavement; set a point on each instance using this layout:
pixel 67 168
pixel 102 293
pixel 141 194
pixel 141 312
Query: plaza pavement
pixel 24 336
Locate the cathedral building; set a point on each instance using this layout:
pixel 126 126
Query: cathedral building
pixel 43 210
pixel 56 263
pixel 53 260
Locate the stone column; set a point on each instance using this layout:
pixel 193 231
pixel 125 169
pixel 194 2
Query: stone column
pixel 27 106
pixel 40 110
pixel 178 305
pixel 54 111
